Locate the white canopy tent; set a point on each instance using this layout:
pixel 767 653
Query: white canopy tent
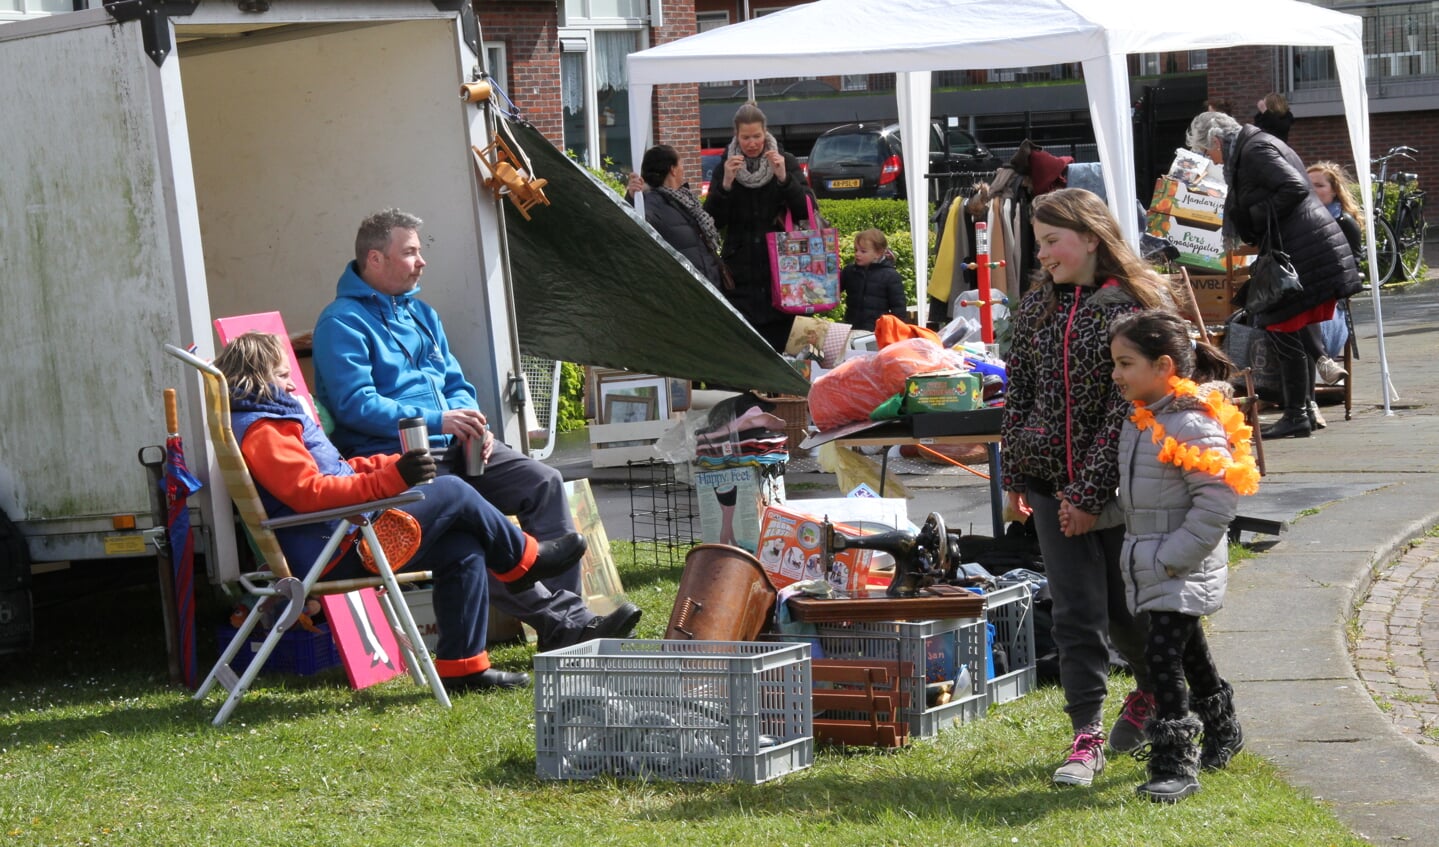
pixel 915 37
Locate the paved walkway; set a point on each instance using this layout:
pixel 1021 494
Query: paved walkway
pixel 1397 643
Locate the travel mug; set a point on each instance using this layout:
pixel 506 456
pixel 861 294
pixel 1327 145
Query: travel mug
pixel 475 454
pixel 414 435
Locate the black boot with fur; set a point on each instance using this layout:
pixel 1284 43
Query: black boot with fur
pixel 1173 758
pixel 1223 737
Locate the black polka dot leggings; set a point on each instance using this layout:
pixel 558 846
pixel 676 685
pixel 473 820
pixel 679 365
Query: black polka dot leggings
pixel 1176 652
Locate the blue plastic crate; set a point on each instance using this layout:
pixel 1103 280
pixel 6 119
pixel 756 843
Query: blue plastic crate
pixel 299 652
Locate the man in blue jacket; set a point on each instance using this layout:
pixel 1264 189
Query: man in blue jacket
pixel 380 356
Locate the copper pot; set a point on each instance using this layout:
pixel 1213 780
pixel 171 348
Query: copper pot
pixel 723 596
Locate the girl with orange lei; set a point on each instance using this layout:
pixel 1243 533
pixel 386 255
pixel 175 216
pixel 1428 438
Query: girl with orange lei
pixel 1184 461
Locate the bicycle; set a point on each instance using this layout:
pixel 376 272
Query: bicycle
pixel 1398 234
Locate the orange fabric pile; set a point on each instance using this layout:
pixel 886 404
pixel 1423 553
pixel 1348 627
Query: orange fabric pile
pixel 851 391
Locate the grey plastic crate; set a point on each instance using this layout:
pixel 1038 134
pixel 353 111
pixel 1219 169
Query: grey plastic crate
pixel 682 711
pixel 916 643
pixel 1011 612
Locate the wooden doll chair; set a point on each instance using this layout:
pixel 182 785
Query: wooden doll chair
pixel 280 594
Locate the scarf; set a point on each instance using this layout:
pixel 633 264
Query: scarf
pixel 756 171
pixel 685 200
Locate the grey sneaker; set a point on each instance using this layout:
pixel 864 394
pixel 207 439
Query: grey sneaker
pixel 1128 732
pixel 1330 371
pixel 1085 762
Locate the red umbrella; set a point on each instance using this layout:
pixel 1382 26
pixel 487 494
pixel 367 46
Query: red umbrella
pixel 178 484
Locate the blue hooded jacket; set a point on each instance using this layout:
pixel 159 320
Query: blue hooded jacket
pixel 381 358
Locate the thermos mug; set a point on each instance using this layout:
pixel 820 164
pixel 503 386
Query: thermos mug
pixel 475 454
pixel 414 435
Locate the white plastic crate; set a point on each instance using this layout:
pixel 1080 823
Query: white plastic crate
pixel 1010 611
pixel 684 711
pixel 937 650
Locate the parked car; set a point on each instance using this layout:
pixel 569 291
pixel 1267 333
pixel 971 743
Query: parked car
pixel 866 159
pixel 710 159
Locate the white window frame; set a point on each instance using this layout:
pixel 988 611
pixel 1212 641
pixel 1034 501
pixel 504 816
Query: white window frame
pixel 24 13
pixel 591 96
pixel 497 63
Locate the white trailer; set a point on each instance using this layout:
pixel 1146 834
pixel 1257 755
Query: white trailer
pixel 165 163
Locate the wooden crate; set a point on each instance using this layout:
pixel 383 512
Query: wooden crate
pixel 1213 293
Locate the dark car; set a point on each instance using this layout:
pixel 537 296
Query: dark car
pixel 866 160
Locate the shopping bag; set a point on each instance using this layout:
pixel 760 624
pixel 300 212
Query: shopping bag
pixel 1250 348
pixel 804 266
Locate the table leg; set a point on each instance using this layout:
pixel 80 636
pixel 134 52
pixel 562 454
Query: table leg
pixel 996 490
pixel 883 470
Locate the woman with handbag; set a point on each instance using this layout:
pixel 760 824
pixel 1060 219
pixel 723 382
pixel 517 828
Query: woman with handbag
pixel 760 183
pixel 1272 204
pixel 460 535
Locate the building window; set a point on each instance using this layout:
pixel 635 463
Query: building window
pixel 704 22
pixel 1199 60
pixel 854 82
pixel 11 10
pixel 497 64
pixel 595 95
pixel 1401 45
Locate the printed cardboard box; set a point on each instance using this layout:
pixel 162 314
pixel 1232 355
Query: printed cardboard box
pixel 1172 197
pixel 942 391
pixel 730 502
pixel 789 550
pixel 1198 247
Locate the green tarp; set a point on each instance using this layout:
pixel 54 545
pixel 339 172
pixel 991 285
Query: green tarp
pixel 594 284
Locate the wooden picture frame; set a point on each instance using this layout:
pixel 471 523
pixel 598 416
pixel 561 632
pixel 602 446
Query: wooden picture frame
pixel 626 384
pixel 631 408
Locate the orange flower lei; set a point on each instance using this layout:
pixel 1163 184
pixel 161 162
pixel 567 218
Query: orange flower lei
pixel 1237 469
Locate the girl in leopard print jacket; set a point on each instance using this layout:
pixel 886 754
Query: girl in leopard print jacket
pixel 1060 433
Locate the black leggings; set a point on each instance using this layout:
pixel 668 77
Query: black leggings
pixel 1177 651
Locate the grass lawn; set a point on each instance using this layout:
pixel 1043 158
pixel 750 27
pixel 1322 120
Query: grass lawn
pixel 96 749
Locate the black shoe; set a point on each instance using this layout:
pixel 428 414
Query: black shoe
pixel 485 680
pixel 1168 789
pixel 556 556
pixel 620 623
pixel 1288 426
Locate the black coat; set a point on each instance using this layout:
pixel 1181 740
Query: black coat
pixel 683 234
pixel 745 216
pixel 1267 179
pixel 872 291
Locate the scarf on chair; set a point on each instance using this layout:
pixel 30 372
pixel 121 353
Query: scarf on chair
pixel 756 171
pixel 685 200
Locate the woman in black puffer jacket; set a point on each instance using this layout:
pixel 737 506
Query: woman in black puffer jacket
pixel 675 213
pixel 1268 183
pixel 748 201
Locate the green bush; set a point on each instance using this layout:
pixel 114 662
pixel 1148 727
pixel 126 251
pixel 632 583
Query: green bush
pixel 851 216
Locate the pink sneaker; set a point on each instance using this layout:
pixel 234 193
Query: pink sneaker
pixel 1085 762
pixel 1128 732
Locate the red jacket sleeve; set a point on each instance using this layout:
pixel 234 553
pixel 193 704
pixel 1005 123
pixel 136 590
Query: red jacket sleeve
pixel 275 451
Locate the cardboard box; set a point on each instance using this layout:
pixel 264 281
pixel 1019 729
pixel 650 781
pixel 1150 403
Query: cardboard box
pixel 1172 197
pixel 1198 247
pixel 789 550
pixel 1213 293
pixel 730 502
pixel 942 391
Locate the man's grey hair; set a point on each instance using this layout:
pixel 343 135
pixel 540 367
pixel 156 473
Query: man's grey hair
pixel 375 231
pixel 1207 127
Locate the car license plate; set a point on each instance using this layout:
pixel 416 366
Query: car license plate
pixel 844 183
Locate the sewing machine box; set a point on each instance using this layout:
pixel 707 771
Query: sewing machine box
pixel 1198 247
pixel 790 550
pixel 942 391
pixel 1202 206
pixel 731 500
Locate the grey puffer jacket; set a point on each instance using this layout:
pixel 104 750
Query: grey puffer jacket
pixel 1175 556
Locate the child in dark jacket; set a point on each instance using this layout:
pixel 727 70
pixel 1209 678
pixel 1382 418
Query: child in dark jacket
pixel 871 285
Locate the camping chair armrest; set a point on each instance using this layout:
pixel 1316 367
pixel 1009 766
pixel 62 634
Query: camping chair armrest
pixel 411 496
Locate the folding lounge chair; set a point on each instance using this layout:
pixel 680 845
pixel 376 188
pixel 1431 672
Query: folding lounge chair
pixel 282 595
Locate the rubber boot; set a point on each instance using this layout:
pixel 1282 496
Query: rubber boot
pixel 1173 758
pixel 1294 423
pixel 1223 736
